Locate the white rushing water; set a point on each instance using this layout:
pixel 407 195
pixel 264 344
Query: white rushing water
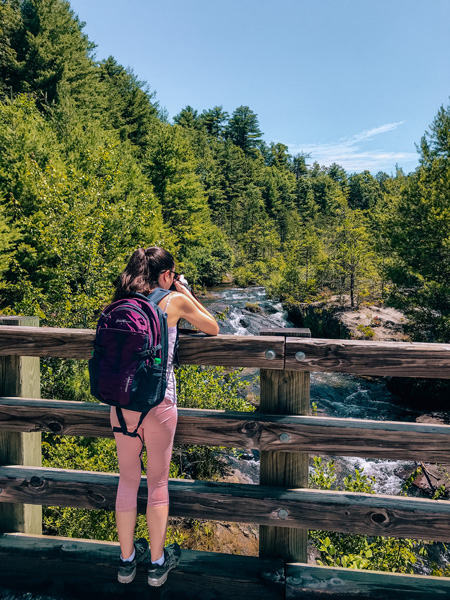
pixel 334 394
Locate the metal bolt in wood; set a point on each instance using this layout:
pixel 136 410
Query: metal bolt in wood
pixel 287 393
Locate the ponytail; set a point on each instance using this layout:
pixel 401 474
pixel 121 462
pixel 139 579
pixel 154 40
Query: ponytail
pixel 143 270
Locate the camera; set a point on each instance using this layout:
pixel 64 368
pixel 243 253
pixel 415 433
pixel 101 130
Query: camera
pixel 181 279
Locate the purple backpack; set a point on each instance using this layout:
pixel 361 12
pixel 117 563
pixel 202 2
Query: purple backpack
pixel 129 361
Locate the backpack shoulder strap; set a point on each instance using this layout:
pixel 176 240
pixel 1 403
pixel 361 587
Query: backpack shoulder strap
pixel 157 295
pixel 176 354
pixel 123 429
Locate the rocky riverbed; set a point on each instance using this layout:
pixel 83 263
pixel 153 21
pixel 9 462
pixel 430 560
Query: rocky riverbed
pixel 335 318
pixel 334 394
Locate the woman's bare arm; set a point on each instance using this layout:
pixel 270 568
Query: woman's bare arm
pixel 185 306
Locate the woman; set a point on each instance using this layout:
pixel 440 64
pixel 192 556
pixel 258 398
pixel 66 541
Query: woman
pixel 146 270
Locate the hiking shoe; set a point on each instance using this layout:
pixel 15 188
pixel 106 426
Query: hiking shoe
pixel 158 575
pixel 127 569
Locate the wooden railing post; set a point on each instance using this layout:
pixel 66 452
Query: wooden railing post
pixel 20 376
pixel 287 393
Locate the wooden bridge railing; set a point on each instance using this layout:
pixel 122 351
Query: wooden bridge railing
pixel 272 506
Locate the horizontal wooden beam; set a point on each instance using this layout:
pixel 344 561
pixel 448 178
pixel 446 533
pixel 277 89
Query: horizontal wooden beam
pixel 195 348
pixel 343 356
pixel 46 341
pixel 312 509
pixel 322 435
pixel 286 331
pixel 67 567
pixel 72 568
pixel 308 582
pixel 396 359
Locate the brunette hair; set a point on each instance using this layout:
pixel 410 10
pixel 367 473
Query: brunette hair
pixel 143 270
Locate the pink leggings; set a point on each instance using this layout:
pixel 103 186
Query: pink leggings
pixel 157 431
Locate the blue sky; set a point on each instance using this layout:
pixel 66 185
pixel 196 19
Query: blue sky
pixel 355 82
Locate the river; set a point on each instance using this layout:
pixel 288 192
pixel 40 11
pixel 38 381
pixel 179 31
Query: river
pixel 334 394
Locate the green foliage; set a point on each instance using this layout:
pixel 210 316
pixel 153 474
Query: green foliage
pixel 198 462
pixel 207 388
pixel 323 476
pixel 83 454
pixel 358 482
pixel 202 249
pixel 80 218
pixel 188 117
pixel 48 55
pixel 352 258
pixel 378 553
pixel 206 264
pixel 364 191
pixel 9 236
pixel 304 253
pixel 65 379
pixel 260 257
pixel 253 307
pixel 243 129
pixel 223 316
pixel 408 482
pixel 129 103
pixel 439 570
pixel 214 121
pixel 357 551
pixel 212 388
pixel 419 234
pixel 171 166
pixel 366 331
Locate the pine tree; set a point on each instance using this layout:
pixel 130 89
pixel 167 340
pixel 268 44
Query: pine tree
pixel 81 213
pixel 9 236
pixel 11 41
pixel 419 234
pixel 171 167
pixel 188 117
pixel 47 54
pixel 214 121
pixel 130 106
pixel 279 195
pixel 352 255
pixel 243 129
pixel 364 191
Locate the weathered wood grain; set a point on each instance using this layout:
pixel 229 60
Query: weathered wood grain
pixel 89 419
pixel 313 509
pixel 345 356
pixel 20 376
pixel 70 568
pixel 46 341
pixel 284 393
pixel 232 350
pixel 321 435
pixel 286 331
pixel 361 357
pixel 307 582
pixel 195 348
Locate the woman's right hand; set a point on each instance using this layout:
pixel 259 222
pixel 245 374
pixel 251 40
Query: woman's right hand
pixel 180 287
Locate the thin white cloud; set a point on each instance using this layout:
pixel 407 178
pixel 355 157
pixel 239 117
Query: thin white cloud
pixel 351 155
pixel 368 134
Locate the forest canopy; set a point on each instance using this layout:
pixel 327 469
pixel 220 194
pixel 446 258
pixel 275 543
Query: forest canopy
pixel 91 168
